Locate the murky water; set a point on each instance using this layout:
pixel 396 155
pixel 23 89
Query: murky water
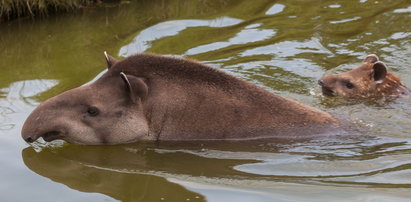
pixel 282 45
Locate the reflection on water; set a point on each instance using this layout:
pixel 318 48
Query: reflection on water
pixel 170 28
pixel 248 35
pixel 18 98
pixel 85 175
pixel 276 8
pixel 28 88
pixel 284 46
pixel 211 168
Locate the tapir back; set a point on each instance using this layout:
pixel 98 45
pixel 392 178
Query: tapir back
pixel 189 100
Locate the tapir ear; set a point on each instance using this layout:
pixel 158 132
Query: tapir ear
pixel 371 58
pixel 136 87
pixel 379 72
pixel 110 60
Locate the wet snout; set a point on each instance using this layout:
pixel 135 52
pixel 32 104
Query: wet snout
pixel 47 136
pixel 31 132
pixel 321 82
pixel 326 90
pixel 38 124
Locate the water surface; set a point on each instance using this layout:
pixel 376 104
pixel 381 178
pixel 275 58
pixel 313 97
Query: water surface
pixel 284 46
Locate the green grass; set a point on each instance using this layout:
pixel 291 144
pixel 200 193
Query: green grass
pixel 11 9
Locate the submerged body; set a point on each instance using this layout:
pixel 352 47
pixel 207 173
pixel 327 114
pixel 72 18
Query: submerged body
pixel 370 80
pixel 150 97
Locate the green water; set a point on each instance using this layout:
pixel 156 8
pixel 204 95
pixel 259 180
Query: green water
pixel 284 46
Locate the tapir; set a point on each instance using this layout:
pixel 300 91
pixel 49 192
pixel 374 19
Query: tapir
pixel 148 97
pixel 370 80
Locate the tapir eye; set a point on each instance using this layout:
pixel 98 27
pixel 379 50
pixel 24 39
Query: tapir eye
pixel 349 85
pixel 92 111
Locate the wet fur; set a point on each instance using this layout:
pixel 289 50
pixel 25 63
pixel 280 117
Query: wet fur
pixel 365 85
pixel 210 104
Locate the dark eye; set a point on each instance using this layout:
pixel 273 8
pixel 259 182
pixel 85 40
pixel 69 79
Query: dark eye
pixel 92 111
pixel 349 85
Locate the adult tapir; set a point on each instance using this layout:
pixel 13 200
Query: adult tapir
pixel 152 97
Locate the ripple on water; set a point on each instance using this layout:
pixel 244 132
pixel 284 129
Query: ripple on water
pixel 403 10
pixel 143 40
pixel 400 35
pixel 248 35
pixel 17 99
pixel 28 88
pixel 345 20
pixel 275 9
pixel 300 166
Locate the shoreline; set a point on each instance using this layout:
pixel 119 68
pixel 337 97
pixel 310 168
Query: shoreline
pixel 14 9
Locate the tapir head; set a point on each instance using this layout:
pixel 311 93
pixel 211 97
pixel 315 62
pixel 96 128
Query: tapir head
pixel 371 79
pixel 107 111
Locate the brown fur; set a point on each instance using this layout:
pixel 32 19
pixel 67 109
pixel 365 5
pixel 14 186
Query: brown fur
pixel 370 80
pixel 186 100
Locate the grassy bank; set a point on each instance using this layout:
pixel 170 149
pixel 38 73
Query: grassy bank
pixel 11 9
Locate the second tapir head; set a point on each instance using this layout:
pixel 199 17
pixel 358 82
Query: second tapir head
pixel 370 80
pixel 107 111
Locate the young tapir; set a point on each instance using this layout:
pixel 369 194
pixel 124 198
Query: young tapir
pixel 370 80
pixel 151 97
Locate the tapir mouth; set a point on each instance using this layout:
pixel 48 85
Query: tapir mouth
pixel 50 136
pixel 328 92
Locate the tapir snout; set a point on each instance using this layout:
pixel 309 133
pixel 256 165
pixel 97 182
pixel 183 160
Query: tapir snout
pixel 38 124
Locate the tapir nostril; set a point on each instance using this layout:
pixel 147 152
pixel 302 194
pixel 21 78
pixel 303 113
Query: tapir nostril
pixel 29 139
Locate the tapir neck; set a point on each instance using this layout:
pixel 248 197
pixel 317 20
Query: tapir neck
pixel 392 86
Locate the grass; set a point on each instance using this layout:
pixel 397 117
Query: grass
pixel 11 9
